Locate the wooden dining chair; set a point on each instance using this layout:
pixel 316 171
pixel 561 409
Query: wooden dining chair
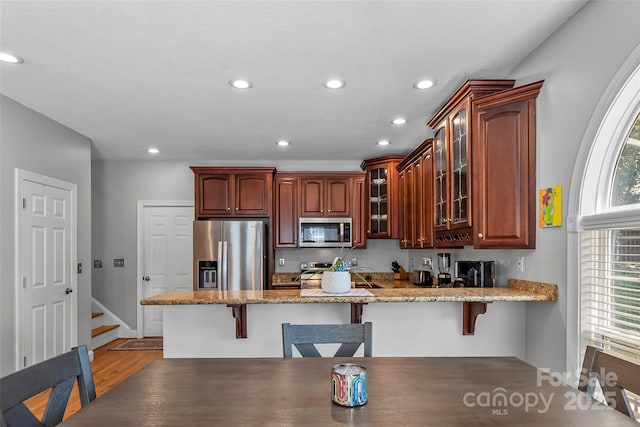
pixel 615 376
pixel 303 337
pixel 58 374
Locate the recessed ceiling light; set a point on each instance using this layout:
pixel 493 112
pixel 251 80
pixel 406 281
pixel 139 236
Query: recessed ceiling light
pixel 399 121
pixel 334 84
pixel 423 84
pixel 10 59
pixel 383 142
pixel 282 143
pixel 240 84
pixel 153 150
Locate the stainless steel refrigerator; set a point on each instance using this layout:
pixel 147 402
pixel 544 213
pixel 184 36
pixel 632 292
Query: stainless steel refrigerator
pixel 229 255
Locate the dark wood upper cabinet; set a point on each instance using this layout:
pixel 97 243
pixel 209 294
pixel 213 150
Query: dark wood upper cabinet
pixel 330 197
pixel 452 174
pixel 318 194
pixel 383 197
pixel 504 164
pixel 286 211
pixel 226 191
pixel 424 206
pixel 416 197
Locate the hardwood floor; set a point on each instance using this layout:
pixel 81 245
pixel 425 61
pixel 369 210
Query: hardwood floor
pixel 109 369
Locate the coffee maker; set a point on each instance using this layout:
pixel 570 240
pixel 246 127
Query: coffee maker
pixel 444 264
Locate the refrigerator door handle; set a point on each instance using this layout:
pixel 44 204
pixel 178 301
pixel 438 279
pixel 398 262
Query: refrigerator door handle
pixel 221 283
pixel 225 261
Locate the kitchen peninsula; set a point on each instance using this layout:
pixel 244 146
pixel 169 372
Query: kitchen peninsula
pixel 199 324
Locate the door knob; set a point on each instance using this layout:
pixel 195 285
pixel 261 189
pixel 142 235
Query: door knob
pixel 68 291
pixel 146 278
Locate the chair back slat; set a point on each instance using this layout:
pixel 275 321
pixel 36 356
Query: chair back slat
pixel 20 415
pixel 350 335
pixel 615 376
pixel 58 374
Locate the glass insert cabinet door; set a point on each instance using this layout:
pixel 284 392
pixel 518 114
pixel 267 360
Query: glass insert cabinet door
pixel 378 201
pixel 459 190
pixel 451 170
pixel 440 177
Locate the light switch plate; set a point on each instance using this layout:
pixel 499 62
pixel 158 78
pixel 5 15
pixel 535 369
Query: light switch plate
pixel 97 263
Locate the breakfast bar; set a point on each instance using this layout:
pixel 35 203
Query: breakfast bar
pixel 193 323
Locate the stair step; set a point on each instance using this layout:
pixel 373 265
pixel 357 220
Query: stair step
pixel 95 314
pixel 102 329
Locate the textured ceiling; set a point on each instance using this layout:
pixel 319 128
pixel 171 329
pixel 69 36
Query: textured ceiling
pixel 134 74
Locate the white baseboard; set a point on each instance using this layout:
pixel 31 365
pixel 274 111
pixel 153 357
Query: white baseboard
pixel 124 331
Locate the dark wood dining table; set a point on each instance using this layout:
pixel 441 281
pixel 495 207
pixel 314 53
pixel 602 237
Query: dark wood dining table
pixel 429 391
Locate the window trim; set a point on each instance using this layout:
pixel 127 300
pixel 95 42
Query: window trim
pixel 591 184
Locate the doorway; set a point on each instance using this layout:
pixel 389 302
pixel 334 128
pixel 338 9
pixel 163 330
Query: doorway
pixel 165 264
pixel 46 257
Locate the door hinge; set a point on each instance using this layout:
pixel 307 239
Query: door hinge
pixel 24 361
pixel 24 282
pixel 24 203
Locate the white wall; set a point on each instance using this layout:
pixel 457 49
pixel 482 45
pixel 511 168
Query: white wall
pixel 35 143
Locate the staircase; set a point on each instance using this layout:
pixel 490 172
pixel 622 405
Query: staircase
pixel 101 334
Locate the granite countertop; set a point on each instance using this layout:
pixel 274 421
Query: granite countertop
pixel 389 291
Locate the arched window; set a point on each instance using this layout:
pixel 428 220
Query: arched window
pixel 610 230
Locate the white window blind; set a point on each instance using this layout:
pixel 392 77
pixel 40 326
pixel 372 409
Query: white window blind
pixel 611 290
pixel 610 293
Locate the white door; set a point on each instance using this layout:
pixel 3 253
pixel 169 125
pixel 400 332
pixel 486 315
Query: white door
pixel 167 257
pixel 48 309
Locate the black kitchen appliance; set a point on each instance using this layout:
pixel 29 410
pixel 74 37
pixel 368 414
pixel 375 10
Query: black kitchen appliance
pixel 476 274
pixel 422 278
pixel 444 263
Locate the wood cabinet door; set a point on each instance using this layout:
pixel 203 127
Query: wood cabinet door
pixel 286 215
pixel 416 195
pixel 312 197
pixel 252 194
pixel 406 203
pixel 459 148
pixel 426 207
pixel 359 224
pixel 338 197
pixel 215 193
pixel 504 168
pixel 440 180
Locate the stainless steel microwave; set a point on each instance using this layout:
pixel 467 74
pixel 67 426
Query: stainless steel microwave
pixel 325 232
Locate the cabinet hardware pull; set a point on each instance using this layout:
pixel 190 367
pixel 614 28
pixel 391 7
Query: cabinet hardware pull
pixel 480 235
pixel 228 208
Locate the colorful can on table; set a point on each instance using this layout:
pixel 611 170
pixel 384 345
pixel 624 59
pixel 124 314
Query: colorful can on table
pixel 349 385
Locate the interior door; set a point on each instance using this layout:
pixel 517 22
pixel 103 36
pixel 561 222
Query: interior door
pixel 48 314
pixel 168 248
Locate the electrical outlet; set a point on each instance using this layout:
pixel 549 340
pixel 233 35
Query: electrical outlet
pixel 118 262
pixel 521 264
pixel 281 262
pixel 97 263
pixel 354 262
pixel 413 263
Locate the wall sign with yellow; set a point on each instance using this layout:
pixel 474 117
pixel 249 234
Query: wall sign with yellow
pixel 551 206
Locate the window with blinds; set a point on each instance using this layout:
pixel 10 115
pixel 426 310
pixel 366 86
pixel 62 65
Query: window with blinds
pixel 610 288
